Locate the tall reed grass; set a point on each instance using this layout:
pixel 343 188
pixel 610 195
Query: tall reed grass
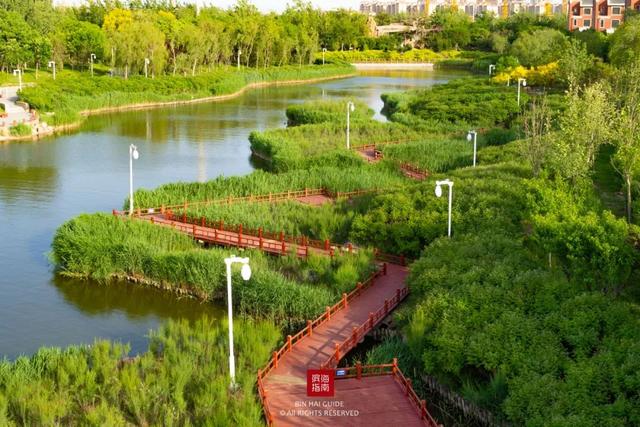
pixel 182 379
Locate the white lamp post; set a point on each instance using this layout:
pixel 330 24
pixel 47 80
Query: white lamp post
pixel 473 135
pixel 92 57
pixel 52 65
pixel 508 80
pixel 133 155
pixel 146 68
pixel 239 53
pixel 18 73
pixel 350 107
pixel 439 185
pixel 524 83
pixel 324 50
pixel 492 68
pixel 246 275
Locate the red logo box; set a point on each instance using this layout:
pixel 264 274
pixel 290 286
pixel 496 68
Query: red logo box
pixel 320 382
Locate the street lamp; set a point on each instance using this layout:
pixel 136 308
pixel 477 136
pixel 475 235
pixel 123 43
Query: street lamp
pixel 524 83
pixel 492 68
pixel 350 108
pixel 472 134
pixel 239 53
pixel 439 185
pixel 52 65
pixel 324 50
pixel 133 155
pixel 18 73
pixel 92 57
pixel 146 68
pixel 246 275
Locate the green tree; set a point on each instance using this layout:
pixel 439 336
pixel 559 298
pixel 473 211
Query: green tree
pixel 626 136
pixel 537 126
pixel 625 42
pixel 538 47
pixel 451 29
pixel 584 127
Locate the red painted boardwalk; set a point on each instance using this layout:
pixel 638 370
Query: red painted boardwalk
pixel 377 401
pixel 365 396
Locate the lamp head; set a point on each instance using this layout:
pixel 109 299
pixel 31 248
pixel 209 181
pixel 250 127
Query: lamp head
pixel 352 107
pixel 245 272
pixel 469 137
pixel 438 190
pixel 134 152
pixel 524 83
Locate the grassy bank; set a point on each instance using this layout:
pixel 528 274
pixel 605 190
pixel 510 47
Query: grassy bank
pixel 182 379
pixel 381 56
pixel 326 111
pixel 72 93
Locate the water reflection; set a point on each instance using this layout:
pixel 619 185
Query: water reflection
pixel 45 183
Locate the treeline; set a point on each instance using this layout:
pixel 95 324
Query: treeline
pixel 170 39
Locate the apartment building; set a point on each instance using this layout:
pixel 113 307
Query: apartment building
pixel 470 7
pixel 600 15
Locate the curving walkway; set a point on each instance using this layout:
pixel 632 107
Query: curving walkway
pixel 364 396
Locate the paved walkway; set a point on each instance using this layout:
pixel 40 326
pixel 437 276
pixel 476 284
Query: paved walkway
pixel 14 112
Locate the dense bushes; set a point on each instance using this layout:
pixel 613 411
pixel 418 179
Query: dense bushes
pixel 72 93
pixel 182 379
pixel 476 102
pixel 414 55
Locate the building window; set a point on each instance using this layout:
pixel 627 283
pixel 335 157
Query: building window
pixel 587 11
pixel 602 23
pixel 615 11
pixel 587 23
pixel 575 22
pixel 615 23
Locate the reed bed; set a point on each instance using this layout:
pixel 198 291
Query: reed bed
pixel 326 111
pixel 316 144
pixel 102 247
pixel 259 182
pixel 432 155
pixel 182 379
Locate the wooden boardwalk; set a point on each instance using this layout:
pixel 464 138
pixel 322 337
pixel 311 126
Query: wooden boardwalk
pixel 381 396
pixel 368 401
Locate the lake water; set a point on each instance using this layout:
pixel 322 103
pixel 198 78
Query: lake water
pixel 47 182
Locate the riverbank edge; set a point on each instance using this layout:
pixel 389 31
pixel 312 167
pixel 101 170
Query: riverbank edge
pixel 151 105
pixel 393 65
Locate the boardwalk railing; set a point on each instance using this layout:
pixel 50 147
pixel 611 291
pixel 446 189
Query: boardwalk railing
pixel 359 332
pixel 360 371
pixel 291 341
pixel 408 167
pixel 254 198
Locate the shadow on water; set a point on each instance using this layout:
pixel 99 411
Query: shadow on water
pixel 133 300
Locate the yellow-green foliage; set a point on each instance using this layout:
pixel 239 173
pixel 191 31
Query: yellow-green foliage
pixel 542 75
pixel 181 380
pixel 414 55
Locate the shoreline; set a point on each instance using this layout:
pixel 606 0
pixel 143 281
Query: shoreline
pixel 151 105
pixel 393 65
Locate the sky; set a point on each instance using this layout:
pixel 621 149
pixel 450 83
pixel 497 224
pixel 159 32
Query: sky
pixel 263 5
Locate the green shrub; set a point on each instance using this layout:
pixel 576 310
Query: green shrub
pixel 20 130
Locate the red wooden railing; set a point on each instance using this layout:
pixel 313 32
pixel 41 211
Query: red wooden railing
pixel 253 198
pixel 360 371
pixel 405 166
pixel 359 332
pixel 291 341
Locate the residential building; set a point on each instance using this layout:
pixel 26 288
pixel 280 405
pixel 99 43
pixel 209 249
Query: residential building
pixel 600 15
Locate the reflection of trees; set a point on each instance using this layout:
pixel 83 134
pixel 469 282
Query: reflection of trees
pixel 135 301
pixel 31 182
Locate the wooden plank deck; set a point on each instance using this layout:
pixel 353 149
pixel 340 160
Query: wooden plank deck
pixel 367 401
pixel 379 401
